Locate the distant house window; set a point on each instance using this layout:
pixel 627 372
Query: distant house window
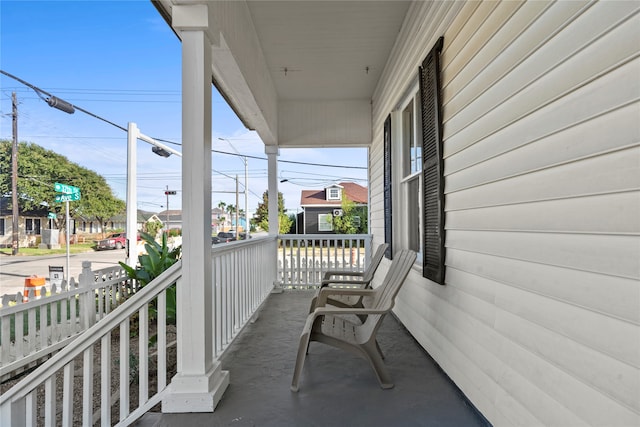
pixel 356 221
pixel 334 194
pixel 1 226
pixel 325 222
pixel 32 226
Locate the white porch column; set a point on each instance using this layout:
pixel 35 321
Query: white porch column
pixel 272 156
pixel 200 382
pixel 132 197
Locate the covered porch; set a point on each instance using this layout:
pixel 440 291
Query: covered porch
pixel 337 388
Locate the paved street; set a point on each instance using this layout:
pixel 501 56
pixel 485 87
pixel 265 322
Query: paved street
pixel 13 270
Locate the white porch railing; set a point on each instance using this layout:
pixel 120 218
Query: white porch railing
pixel 243 276
pixel 303 258
pixel 30 331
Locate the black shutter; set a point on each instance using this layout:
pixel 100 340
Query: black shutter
pixel 432 167
pixel 388 231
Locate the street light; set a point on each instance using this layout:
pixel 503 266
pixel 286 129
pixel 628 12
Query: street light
pixel 246 187
pixel 133 134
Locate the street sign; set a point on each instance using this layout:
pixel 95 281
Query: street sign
pixel 68 197
pixel 52 215
pixel 66 189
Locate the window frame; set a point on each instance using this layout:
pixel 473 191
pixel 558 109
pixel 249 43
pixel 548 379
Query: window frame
pixel 330 195
pixel 320 221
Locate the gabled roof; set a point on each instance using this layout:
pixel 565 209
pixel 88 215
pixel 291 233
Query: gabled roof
pixel 355 192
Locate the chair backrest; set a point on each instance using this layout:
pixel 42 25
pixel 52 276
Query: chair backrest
pixel 387 291
pixel 375 262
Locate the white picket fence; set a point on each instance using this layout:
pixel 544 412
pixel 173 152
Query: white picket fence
pixel 32 331
pixel 304 258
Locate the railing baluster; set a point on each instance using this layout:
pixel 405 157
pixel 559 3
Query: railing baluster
pixel 31 409
pixel 124 369
pixel 162 341
pixel 87 387
pixel 50 401
pixel 105 379
pixel 67 395
pixel 143 353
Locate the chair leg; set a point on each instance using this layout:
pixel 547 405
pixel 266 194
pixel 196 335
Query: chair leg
pixel 379 350
pixel 371 350
pixel 302 354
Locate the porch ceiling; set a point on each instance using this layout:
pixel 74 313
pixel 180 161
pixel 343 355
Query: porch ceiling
pixel 326 49
pixel 301 73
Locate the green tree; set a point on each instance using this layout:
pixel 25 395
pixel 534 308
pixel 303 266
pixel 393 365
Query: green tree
pixel 39 169
pixel 353 219
pixel 152 227
pixel 261 218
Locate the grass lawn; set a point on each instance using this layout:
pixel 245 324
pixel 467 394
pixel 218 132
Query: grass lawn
pixel 74 249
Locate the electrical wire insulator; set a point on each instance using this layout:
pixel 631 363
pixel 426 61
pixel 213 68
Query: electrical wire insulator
pixel 61 105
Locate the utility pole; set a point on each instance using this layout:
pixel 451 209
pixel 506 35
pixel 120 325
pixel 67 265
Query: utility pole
pixel 237 211
pixel 167 193
pixel 14 176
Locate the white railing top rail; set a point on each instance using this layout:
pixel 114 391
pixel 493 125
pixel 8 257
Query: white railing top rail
pixel 237 244
pixel 92 335
pixel 325 236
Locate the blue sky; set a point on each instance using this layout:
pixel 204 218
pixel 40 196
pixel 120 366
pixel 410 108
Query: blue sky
pixel 121 61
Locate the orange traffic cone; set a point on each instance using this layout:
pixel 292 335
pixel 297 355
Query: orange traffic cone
pixel 33 283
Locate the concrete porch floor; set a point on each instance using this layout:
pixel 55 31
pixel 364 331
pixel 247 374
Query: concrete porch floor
pixel 336 388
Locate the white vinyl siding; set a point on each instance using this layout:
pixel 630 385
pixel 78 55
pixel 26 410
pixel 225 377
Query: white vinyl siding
pixel 539 321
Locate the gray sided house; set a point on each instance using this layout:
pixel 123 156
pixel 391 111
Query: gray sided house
pixel 30 224
pixel 321 206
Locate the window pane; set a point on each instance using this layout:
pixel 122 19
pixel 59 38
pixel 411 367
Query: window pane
pixel 408 155
pixel 324 222
pixel 413 213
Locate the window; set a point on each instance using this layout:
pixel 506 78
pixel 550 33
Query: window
pixel 325 222
pixel 433 232
pixel 333 194
pixel 2 227
pixel 32 226
pixel 356 221
pixel 411 137
pixel 411 154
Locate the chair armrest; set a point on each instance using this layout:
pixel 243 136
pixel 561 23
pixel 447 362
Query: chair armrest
pixel 321 311
pixel 328 274
pixel 362 283
pixel 324 294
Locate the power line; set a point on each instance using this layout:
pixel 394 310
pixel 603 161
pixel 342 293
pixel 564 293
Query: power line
pixel 41 91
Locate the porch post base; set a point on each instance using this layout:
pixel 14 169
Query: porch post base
pixel 196 393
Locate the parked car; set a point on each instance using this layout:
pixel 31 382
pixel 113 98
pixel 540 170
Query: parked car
pixel 113 241
pixel 223 237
